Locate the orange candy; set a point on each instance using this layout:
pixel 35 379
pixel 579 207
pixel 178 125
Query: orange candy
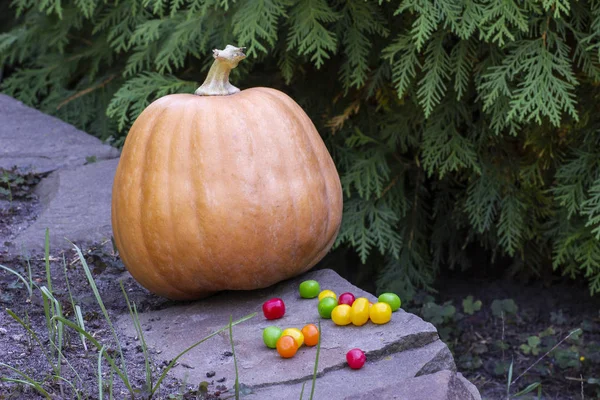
pixel 287 346
pixel 311 334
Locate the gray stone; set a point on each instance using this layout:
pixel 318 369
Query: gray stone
pixel 442 385
pixel 396 352
pixel 75 206
pixel 36 142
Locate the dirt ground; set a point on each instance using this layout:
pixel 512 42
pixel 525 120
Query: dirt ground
pixel 483 343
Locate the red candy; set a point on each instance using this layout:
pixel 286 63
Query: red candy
pixel 273 308
pixel 346 298
pixel 356 358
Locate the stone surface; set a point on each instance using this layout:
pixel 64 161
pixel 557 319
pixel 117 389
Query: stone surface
pixel 75 206
pixel 398 351
pixel 35 142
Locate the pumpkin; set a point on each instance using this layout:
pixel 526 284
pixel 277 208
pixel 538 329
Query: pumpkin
pixel 223 190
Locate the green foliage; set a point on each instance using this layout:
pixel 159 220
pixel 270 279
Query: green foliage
pixel 470 306
pixel 506 306
pixel 454 125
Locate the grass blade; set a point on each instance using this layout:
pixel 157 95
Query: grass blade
pixel 528 389
pixel 27 380
pixel 47 259
pixel 302 391
pixel 138 327
pixel 100 383
pixel 92 283
pixel 237 380
pixel 510 372
pixel 97 344
pixel 18 275
pixel 31 333
pixel 168 368
pixel 314 380
pixel 76 308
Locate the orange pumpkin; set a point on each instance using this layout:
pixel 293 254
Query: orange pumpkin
pixel 223 190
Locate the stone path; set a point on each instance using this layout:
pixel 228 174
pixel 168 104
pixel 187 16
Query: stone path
pixel 75 198
pixel 406 359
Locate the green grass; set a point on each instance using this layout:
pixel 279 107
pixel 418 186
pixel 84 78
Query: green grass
pixel 57 323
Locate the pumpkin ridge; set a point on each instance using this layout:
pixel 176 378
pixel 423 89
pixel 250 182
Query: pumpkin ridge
pixel 147 234
pixel 284 100
pixel 172 161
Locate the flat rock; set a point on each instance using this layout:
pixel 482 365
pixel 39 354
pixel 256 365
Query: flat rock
pixel 404 348
pixel 36 142
pixel 75 206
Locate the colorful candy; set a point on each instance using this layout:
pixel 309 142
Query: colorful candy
pixel 392 299
pixel 287 346
pixel 356 358
pixel 326 306
pixel 327 293
pixel 346 298
pixel 271 335
pixel 311 334
pixel 380 313
pixel 296 334
pixel 273 308
pixel 342 314
pixel 360 311
pixel 309 289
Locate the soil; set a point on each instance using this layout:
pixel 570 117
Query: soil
pixel 483 344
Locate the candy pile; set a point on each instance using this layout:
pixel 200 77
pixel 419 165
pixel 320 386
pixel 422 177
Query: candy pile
pixel 344 310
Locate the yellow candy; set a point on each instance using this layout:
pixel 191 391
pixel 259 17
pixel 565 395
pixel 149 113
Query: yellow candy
pixel 360 311
pixel 342 314
pixel 327 293
pixel 381 313
pixel 296 334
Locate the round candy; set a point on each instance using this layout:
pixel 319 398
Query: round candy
pixel 287 346
pixel 342 314
pixel 356 358
pixel 380 313
pixel 311 334
pixel 360 311
pixel 309 289
pixel 273 308
pixel 346 298
pixel 296 334
pixel 271 335
pixel 392 299
pixel 327 293
pixel 326 306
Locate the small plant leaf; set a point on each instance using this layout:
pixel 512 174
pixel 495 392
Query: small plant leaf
pixel 470 306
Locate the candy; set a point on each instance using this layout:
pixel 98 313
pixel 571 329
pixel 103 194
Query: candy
pixel 360 311
pixel 309 289
pixel 356 358
pixel 380 313
pixel 311 334
pixel 273 308
pixel 326 306
pixel 296 334
pixel 342 314
pixel 327 293
pixel 392 299
pixel 287 346
pixel 271 335
pixel 346 298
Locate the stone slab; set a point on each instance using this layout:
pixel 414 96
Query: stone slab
pixel 442 385
pixel 76 206
pixel 175 328
pixel 376 376
pixel 36 142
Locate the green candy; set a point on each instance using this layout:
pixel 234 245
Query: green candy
pixel 392 299
pixel 271 335
pixel 326 306
pixel 309 289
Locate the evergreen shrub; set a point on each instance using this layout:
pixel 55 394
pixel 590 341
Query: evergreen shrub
pixel 455 124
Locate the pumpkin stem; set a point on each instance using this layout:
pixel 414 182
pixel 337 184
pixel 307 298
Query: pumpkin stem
pixel 217 80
